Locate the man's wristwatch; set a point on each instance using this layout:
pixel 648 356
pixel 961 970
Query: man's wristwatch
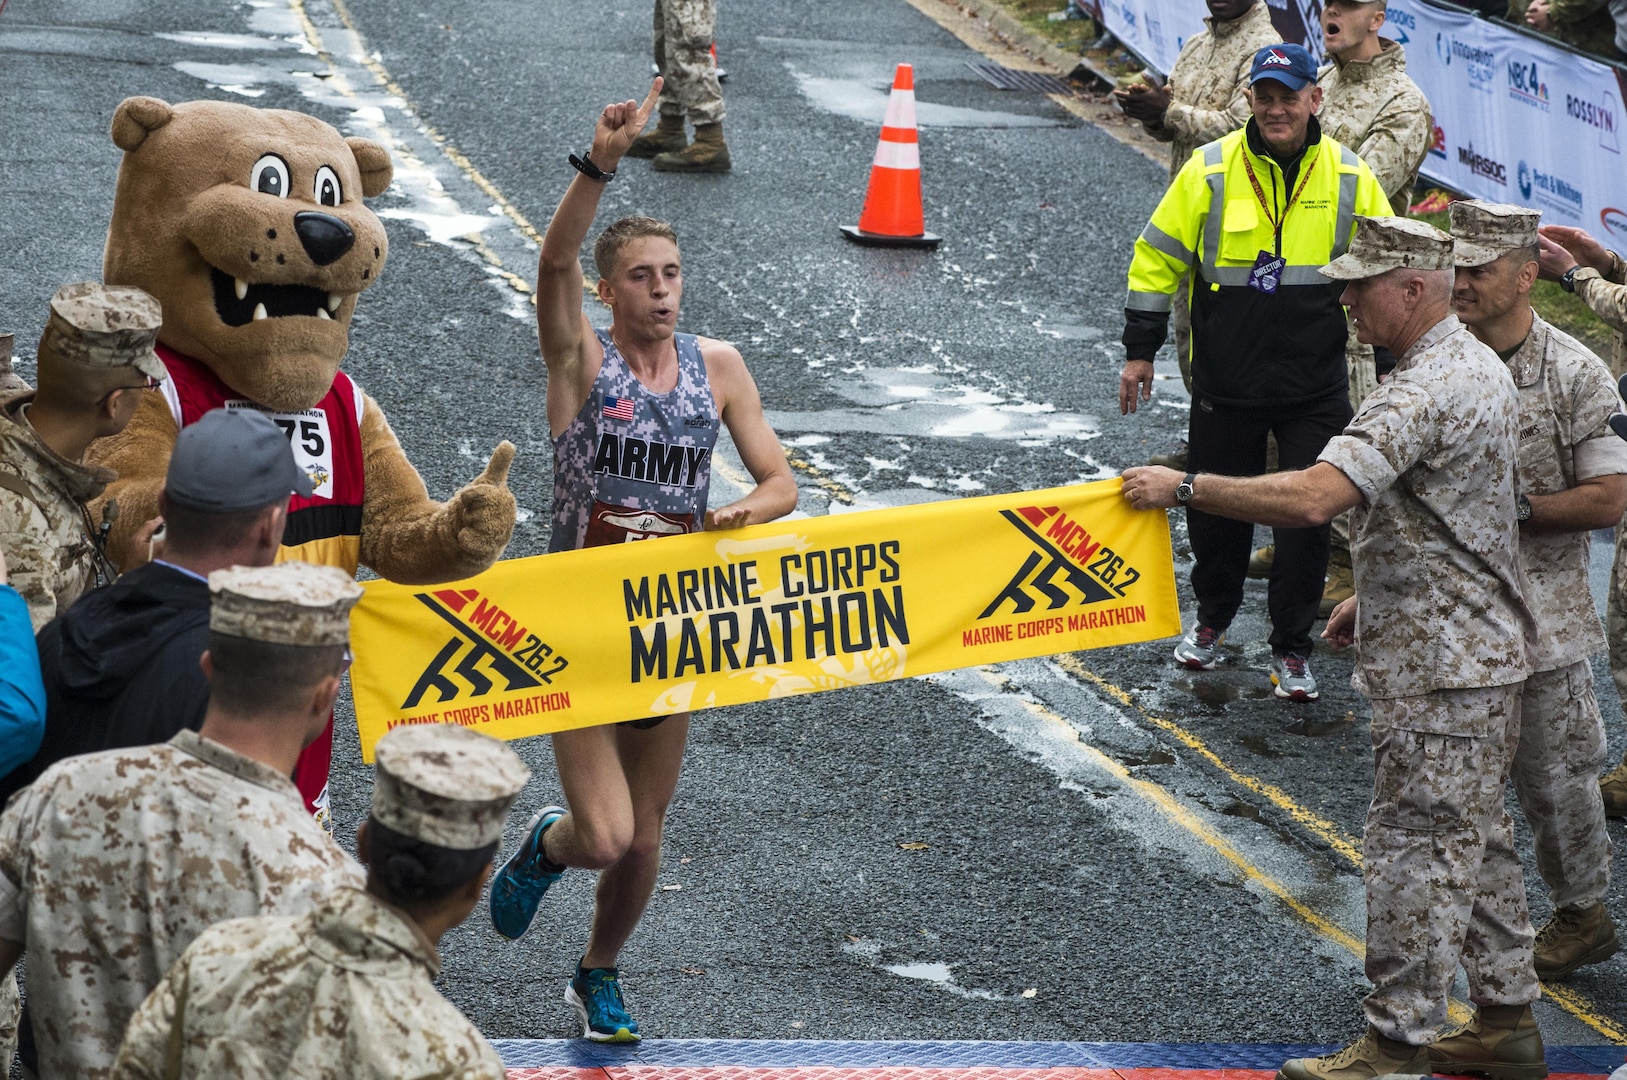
pixel 1567 281
pixel 1522 508
pixel 1183 490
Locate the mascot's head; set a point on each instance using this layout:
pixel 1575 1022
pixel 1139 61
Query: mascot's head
pixel 248 226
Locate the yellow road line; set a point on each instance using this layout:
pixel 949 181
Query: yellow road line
pixel 1320 827
pixel 1566 998
pixel 453 154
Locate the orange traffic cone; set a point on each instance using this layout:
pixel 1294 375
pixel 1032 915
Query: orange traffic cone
pixel 892 214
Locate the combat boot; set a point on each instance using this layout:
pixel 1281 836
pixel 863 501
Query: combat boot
pixel 1613 786
pixel 1369 1056
pixel 668 137
pixel 1501 1041
pixel 1340 586
pixel 1259 563
pixel 1573 938
pixel 707 153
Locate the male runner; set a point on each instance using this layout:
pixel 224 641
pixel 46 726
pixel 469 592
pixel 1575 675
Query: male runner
pixel 634 411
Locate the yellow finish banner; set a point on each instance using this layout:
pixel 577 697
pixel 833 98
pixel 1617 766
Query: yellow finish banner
pixel 630 631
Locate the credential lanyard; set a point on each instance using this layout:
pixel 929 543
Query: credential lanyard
pixel 1259 193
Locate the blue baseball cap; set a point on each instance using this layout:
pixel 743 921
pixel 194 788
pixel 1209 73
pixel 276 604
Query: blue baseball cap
pixel 1290 65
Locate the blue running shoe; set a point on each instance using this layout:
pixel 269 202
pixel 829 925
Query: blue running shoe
pixel 595 994
pixel 520 885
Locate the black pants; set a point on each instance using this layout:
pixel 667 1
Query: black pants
pixel 1232 441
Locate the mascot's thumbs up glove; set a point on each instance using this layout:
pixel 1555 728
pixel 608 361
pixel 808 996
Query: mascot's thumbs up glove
pixel 426 542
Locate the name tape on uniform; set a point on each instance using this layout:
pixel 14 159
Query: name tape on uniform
pixel 698 621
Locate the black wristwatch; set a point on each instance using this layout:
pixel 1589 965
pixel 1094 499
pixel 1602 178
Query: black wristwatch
pixel 1567 281
pixel 1522 508
pixel 1183 490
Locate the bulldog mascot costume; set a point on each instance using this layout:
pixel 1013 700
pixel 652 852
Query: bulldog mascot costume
pixel 248 226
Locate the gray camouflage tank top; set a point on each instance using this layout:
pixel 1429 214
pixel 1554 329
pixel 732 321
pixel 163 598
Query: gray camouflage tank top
pixel 634 465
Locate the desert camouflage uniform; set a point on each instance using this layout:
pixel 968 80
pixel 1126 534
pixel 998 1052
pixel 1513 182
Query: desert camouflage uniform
pixel 1566 398
pixel 1607 297
pixel 48 551
pixel 1586 24
pixel 342 993
pixel 202 834
pixel 683 55
pixel 1206 100
pixel 1441 630
pixel 1375 108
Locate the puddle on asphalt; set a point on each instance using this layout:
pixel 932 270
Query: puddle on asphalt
pixel 866 100
pixel 917 401
pixel 1257 744
pixel 1155 756
pixel 938 973
pixel 1213 692
pixel 1242 810
pixel 1317 729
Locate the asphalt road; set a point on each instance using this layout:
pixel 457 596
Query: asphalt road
pixel 1113 850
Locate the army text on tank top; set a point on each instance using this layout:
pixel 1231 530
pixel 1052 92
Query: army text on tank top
pixel 634 465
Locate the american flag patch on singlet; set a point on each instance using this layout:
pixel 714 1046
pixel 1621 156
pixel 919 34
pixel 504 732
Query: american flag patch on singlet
pixel 619 408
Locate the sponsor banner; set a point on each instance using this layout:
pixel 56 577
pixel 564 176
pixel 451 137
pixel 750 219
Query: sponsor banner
pixel 1518 120
pixel 1155 30
pixel 625 631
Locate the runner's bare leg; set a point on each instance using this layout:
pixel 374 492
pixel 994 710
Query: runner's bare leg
pixel 618 782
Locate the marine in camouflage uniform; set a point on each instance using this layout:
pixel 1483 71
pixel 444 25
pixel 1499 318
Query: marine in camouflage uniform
pixel 1427 471
pixel 1374 107
pixel 690 88
pixel 204 833
pixel 1208 98
pixel 345 992
pixel 1566 398
pixel 1604 289
pixel 1441 628
pixel 95 336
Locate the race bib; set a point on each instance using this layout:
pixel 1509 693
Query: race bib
pixel 308 436
pixel 609 524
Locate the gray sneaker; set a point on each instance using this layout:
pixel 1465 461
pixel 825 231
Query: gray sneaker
pixel 1291 673
pixel 1200 649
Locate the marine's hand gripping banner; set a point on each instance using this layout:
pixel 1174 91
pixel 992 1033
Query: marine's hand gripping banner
pixel 793 607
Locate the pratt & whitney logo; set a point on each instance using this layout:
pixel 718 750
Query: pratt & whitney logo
pixel 1068 567
pixel 1482 166
pixel 487 646
pixel 1549 190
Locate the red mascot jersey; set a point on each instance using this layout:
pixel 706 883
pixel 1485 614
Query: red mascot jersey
pixel 325 528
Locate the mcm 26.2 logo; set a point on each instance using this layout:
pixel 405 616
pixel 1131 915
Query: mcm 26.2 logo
pixel 487 646
pixel 1067 566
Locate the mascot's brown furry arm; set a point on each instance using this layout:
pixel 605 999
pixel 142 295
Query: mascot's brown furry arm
pixel 248 226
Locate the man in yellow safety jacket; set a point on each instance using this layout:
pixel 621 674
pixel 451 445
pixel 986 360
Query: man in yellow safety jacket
pixel 1251 218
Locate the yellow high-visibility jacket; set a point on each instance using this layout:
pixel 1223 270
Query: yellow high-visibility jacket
pixel 1252 348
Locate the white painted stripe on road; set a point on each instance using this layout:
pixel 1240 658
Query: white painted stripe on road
pixel 898 155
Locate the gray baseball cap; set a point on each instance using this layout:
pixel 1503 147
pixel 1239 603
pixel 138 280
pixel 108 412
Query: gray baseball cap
pixel 231 460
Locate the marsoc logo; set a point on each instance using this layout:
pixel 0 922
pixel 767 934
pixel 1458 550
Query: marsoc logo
pixel 1486 167
pixel 1067 566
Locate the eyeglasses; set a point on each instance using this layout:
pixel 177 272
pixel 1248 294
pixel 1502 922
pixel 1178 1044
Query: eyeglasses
pixel 150 384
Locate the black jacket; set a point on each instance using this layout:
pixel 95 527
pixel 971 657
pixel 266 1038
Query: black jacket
pixel 121 668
